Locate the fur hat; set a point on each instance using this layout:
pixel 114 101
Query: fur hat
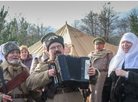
pixel 51 38
pixel 8 47
pixel 45 36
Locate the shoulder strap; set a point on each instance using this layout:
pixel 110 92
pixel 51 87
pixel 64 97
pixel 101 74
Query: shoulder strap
pixel 16 81
pixel 3 82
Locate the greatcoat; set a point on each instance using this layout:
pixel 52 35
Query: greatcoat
pixel 99 60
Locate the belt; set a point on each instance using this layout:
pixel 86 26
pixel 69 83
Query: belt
pixel 67 90
pixel 103 70
pixel 18 96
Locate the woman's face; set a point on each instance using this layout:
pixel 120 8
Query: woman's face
pixel 126 45
pixel 24 54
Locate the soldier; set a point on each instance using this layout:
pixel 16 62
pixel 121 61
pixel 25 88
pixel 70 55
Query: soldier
pixel 100 59
pixel 13 76
pixel 42 76
pixel 43 57
pixel 67 49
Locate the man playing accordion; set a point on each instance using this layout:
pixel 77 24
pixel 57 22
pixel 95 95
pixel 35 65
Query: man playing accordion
pixel 42 77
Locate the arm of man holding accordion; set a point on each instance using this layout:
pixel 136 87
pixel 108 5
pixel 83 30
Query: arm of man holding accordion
pixel 41 76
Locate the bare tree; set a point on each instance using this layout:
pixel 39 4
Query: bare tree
pixel 90 23
pixel 35 32
pixel 123 26
pixel 107 21
pixel 75 24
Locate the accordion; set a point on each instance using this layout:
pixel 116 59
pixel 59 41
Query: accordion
pixel 71 71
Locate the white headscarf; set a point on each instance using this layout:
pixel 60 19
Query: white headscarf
pixel 130 58
pixel 1 56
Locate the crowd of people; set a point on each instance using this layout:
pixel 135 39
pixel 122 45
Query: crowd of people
pixel 27 79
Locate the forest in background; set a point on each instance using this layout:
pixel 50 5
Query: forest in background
pixel 106 24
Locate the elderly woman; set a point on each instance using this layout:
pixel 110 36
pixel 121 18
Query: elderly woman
pixel 123 71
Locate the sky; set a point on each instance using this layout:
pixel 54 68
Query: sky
pixel 56 13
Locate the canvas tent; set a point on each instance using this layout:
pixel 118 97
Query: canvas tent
pixel 80 43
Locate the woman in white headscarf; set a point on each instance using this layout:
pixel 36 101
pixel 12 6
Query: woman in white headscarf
pixel 1 56
pixel 123 71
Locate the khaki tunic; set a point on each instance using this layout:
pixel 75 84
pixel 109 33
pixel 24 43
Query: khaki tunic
pixel 100 61
pixel 35 95
pixel 36 61
pixel 40 79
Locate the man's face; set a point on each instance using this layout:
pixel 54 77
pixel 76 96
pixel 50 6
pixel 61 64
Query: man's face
pixel 99 47
pixel 126 45
pixel 13 57
pixel 55 49
pixel 67 49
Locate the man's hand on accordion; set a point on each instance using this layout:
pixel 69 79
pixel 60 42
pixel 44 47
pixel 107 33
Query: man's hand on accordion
pixel 52 73
pixel 91 71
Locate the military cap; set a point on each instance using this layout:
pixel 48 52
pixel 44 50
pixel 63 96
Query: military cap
pixel 98 40
pixel 51 38
pixel 8 47
pixel 45 36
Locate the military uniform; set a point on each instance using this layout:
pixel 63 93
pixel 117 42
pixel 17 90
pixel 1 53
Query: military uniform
pixel 36 60
pixel 99 60
pixel 43 57
pixel 19 92
pixel 40 79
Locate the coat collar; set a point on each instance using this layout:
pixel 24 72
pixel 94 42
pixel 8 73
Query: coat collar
pixel 5 64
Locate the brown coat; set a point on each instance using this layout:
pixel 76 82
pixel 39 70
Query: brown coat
pixel 36 61
pixel 100 61
pixel 35 95
pixel 40 79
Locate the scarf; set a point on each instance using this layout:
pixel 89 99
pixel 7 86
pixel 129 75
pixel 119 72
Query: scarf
pixel 13 69
pixel 130 58
pixel 99 54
